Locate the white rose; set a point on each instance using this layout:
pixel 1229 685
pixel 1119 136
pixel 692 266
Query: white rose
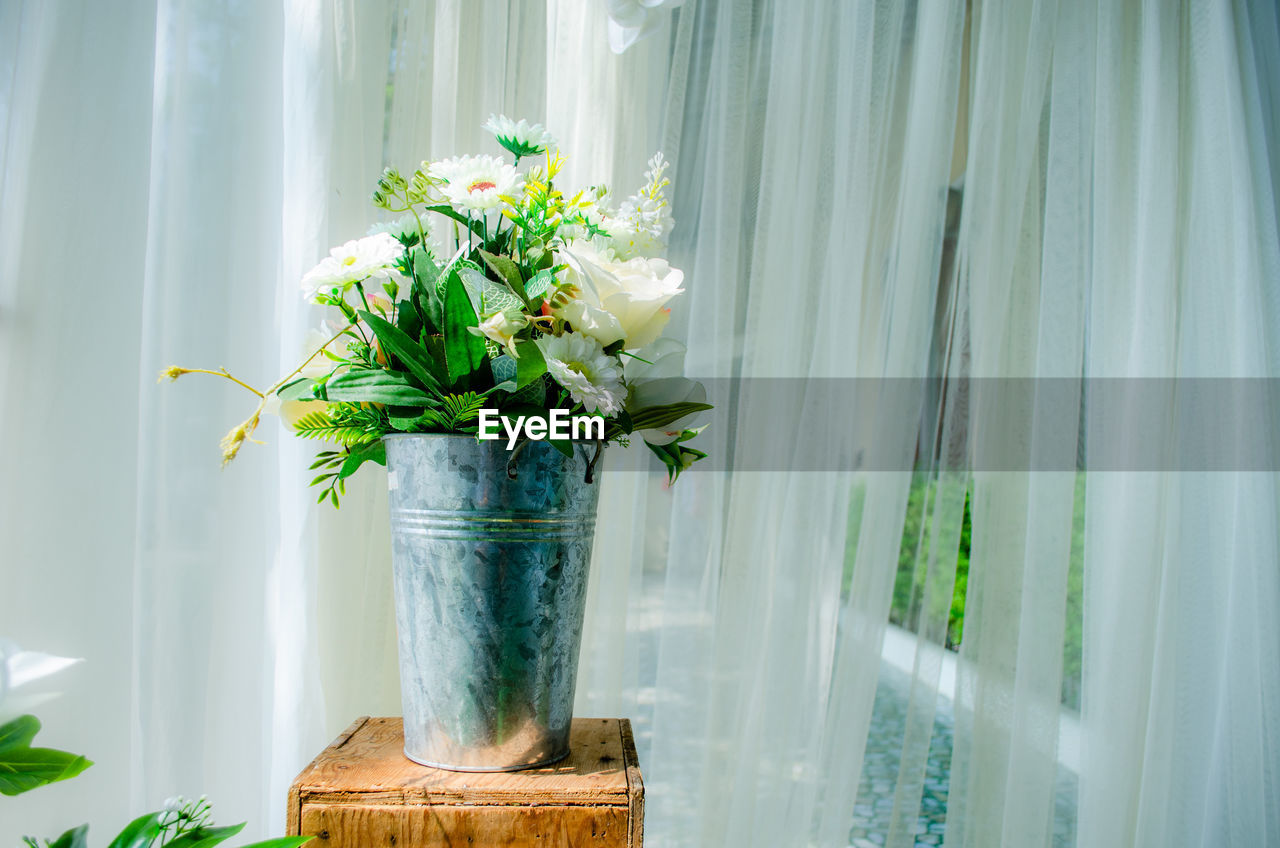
pixel 634 293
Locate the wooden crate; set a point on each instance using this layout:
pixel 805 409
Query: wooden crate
pixel 361 792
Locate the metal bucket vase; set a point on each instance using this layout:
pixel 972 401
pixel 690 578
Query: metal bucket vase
pixel 490 586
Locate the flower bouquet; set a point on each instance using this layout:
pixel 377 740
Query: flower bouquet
pixel 492 291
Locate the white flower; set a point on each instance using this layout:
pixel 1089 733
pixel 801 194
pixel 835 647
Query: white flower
pixel 643 221
pixel 654 376
pixel 633 293
pixel 501 328
pixel 476 182
pixel 359 259
pixel 20 668
pixel 578 363
pixel 521 138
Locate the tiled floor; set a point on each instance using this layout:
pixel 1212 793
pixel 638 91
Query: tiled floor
pixel 874 809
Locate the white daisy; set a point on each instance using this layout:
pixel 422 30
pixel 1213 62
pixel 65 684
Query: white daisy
pixel 521 138
pixel 476 182
pixel 578 363
pixel 359 259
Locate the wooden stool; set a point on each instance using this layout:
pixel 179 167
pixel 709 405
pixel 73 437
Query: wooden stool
pixel 361 792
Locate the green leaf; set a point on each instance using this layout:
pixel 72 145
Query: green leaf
pixel 563 445
pixel 654 417
pixel 539 284
pixel 503 368
pixel 75 838
pixel 449 212
pixel 531 365
pixel 426 273
pixel 463 351
pixel 405 349
pixel 19 732
pixel 23 768
pixel 281 842
pixel 372 452
pixel 376 386
pixel 487 296
pixel 299 389
pixel 508 386
pixel 535 393
pixel 409 321
pixel 205 837
pixel 139 833
pixel 508 271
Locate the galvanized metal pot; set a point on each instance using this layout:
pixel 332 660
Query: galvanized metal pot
pixel 490 584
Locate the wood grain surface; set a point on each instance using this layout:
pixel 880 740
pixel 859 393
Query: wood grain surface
pixel 363 791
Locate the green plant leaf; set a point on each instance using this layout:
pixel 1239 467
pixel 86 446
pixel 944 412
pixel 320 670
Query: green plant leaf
pixel 449 212
pixel 503 368
pixel 538 286
pixel 139 833
pixel 535 393
pixel 23 768
pixel 318 425
pixel 563 445
pixel 426 274
pixel 463 351
pixel 281 842
pixel 77 837
pixel 405 349
pixel 376 386
pixel 299 389
pixel 531 365
pixel 654 417
pixel 508 271
pixel 372 452
pixel 486 295
pixel 205 837
pixel 19 732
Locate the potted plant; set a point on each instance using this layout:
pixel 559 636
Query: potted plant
pixel 486 345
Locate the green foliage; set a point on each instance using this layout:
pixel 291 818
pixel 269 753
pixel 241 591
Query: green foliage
pixel 188 825
pixel 676 455
pixel 337 466
pixel 321 425
pixel 23 768
pixel 457 413
pixel 908 585
pixel 531 365
pixel 372 385
pixel 463 351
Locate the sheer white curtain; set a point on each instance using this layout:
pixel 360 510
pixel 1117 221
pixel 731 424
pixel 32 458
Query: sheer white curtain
pixel 1118 224
pixel 168 172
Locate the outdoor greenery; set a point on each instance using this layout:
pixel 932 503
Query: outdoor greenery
pixel 909 607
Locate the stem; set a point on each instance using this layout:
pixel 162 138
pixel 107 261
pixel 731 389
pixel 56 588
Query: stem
pixel 305 362
pixel 222 372
pixel 422 233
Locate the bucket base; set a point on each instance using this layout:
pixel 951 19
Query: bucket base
pixel 476 770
